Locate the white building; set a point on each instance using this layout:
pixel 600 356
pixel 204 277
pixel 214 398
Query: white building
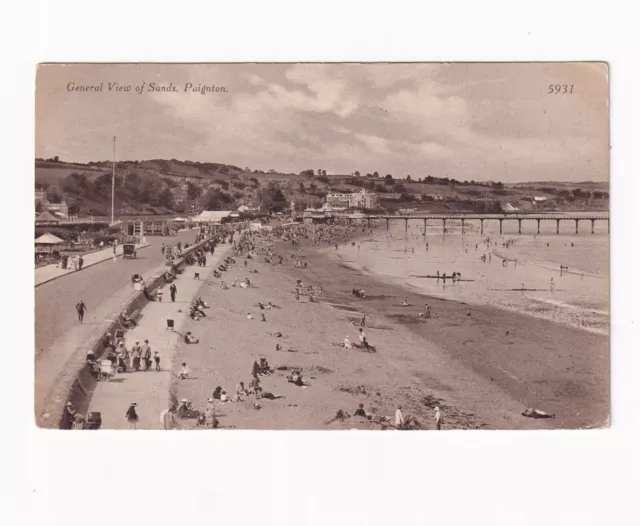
pixel 362 199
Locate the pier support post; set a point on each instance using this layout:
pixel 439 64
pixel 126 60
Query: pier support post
pixel 463 227
pixel 387 224
pixel 593 224
pixel 538 225
pixel 368 223
pixel 482 226
pixel 444 226
pixel 406 225
pixel 500 225
pixel 424 232
pixel 557 226
pixel 608 226
pixel 519 226
pixel 577 220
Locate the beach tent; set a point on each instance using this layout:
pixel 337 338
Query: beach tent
pixel 181 219
pixel 46 242
pixel 509 208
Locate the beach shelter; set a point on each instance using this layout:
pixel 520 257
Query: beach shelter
pixel 47 217
pixel 46 242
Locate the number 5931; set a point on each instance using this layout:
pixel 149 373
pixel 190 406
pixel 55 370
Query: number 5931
pixel 560 89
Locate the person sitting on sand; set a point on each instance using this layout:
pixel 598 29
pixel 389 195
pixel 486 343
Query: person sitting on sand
pixel 263 367
pixel 190 338
pixel 347 343
pixel 360 411
pixel 184 372
pixel 249 316
pixel 241 390
pixel 253 384
pixel 340 415
pixel 216 393
pixel 224 397
pixel 296 379
pixel 404 303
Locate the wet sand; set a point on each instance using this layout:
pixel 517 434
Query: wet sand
pixel 480 375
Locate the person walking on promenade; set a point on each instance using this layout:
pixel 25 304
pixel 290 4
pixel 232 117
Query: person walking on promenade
pixel 159 293
pixel 81 308
pixel 146 355
pixel 156 358
pixel 135 356
pixel 80 262
pixel 132 416
pixel 173 290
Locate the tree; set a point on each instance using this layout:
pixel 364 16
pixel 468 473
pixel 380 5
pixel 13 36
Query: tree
pixel 53 196
pixel 319 171
pixel 193 191
pixel 272 198
pixel 376 174
pixel 301 188
pixel 56 159
pixel 74 208
pixel 409 178
pixel 387 178
pixel 324 172
pixel 356 173
pixel 165 198
pixel 216 199
pixel 308 172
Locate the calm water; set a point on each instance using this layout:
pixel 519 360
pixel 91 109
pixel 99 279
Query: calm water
pixel 580 297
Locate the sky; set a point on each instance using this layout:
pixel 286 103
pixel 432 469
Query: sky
pixel 477 121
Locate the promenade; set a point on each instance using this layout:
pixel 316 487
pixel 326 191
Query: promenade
pixel 106 289
pixel 53 271
pixel 151 389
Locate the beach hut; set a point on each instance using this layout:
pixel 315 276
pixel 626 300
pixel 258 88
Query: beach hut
pixel 47 242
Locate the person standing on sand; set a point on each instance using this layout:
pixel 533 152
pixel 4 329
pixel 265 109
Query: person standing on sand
pixel 173 290
pixel 168 418
pixel 438 418
pixel 362 321
pixel 81 309
pixel 156 357
pixel 552 286
pixel 362 336
pixel 132 416
pixel 399 417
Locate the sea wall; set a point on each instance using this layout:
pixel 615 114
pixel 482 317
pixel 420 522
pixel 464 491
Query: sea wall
pixel 76 383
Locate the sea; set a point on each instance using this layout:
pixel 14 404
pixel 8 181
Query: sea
pixel 512 271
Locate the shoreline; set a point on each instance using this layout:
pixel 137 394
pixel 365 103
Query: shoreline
pixel 474 374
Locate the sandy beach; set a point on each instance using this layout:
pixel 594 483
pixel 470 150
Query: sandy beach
pixel 481 365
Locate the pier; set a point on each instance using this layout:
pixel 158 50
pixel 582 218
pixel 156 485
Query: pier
pixel 465 219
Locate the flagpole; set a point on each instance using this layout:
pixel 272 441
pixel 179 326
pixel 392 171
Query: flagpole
pixel 113 182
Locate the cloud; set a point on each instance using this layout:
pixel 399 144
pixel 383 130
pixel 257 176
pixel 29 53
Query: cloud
pixel 468 121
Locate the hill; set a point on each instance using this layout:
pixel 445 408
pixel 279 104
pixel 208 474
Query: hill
pixel 159 186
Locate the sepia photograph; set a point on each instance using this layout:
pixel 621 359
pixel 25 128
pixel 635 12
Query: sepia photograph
pixel 322 246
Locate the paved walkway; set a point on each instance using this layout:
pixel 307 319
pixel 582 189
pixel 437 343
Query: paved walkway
pixel 53 271
pixel 151 390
